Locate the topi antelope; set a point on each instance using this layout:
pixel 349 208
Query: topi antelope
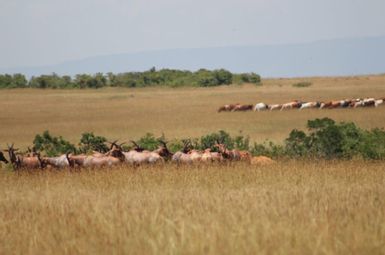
pixel 28 162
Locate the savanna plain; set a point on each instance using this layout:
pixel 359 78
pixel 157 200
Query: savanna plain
pixel 291 207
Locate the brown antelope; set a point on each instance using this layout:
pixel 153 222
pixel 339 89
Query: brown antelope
pixel 209 156
pixel 187 155
pixel 243 108
pixel 232 155
pixel 227 107
pixel 62 161
pixel 273 107
pixel 245 156
pixel 19 161
pixel 291 105
pixel 140 156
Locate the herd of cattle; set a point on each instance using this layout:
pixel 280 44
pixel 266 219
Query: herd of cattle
pixel 297 104
pixel 135 157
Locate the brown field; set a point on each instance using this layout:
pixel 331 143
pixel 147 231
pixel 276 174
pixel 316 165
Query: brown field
pixel 289 208
pixel 179 113
pixel 292 207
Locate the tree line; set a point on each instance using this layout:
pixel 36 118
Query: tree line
pixel 152 77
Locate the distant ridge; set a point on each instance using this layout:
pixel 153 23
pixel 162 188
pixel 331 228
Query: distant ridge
pixel 337 57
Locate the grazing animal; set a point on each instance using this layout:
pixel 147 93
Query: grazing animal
pixel 261 107
pixel 209 156
pixel 62 161
pixel 94 162
pixel 2 158
pixel 368 102
pixel 232 155
pixel 27 162
pixel 245 156
pixel 261 161
pixel 378 102
pixel 291 105
pixel 140 156
pixel 227 108
pixel 330 105
pixel 243 108
pixel 310 105
pixel 187 155
pixel 273 107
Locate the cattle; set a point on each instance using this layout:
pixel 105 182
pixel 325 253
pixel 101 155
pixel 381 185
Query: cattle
pixel 232 155
pixel 227 108
pixel 261 107
pixel 273 107
pixel 26 162
pixel 310 105
pixel 261 161
pixel 243 108
pixel 2 158
pixel 291 105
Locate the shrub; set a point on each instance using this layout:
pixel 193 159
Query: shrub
pixel 89 142
pixel 51 145
pixel 302 84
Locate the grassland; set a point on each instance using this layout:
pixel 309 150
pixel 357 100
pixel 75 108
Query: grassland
pixel 179 113
pixel 292 207
pixel 289 208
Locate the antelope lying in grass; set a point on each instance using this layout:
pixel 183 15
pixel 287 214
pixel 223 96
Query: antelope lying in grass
pixel 19 161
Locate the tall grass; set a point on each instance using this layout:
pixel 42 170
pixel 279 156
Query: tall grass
pixel 289 208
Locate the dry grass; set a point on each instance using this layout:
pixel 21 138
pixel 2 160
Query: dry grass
pixel 289 208
pixel 186 112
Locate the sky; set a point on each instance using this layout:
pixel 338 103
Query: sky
pixel 45 32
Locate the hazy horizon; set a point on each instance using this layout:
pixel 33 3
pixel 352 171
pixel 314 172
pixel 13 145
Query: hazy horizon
pixel 49 32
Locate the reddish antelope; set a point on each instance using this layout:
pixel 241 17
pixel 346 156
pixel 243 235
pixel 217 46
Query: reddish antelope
pixel 232 155
pixel 19 161
pixel 243 108
pixel 291 105
pixel 62 161
pixel 227 107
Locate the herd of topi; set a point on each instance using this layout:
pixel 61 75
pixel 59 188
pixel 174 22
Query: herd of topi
pixel 134 157
pixel 297 104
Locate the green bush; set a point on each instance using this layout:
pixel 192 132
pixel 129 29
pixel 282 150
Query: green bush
pixel 89 143
pixel 52 146
pixel 303 84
